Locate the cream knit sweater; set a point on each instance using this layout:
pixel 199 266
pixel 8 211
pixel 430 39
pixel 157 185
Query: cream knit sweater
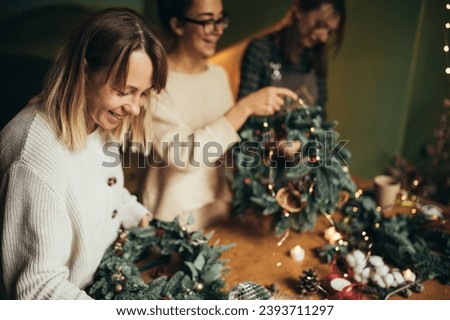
pixel 185 181
pixel 60 210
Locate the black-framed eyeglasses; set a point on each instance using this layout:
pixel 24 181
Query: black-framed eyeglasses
pixel 210 25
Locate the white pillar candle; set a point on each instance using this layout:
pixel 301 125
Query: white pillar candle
pixel 297 253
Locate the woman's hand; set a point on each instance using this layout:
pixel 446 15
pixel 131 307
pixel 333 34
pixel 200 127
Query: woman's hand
pixel 266 101
pixel 145 221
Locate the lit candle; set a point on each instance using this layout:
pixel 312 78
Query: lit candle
pixel 409 275
pixel 331 235
pixel 297 253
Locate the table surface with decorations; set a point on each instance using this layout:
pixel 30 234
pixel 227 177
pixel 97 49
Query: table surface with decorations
pixel 261 257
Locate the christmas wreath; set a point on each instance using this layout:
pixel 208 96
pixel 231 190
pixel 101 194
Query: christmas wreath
pixel 417 242
pixel 199 274
pixel 291 166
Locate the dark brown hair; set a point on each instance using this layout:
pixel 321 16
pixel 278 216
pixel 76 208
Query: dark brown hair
pixel 168 9
pixel 287 37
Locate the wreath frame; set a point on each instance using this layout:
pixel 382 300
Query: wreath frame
pixel 119 278
pixel 319 173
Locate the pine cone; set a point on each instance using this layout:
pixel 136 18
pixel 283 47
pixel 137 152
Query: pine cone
pixel 309 282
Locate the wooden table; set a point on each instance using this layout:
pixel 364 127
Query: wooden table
pixel 259 257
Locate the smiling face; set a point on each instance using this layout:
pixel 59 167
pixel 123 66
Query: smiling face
pixel 316 26
pixel 192 36
pixel 108 105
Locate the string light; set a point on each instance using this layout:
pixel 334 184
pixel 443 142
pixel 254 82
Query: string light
pixel 446 43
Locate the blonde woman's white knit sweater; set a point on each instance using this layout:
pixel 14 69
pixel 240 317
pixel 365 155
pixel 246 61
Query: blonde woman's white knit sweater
pixel 59 209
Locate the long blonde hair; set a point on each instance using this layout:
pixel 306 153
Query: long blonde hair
pixel 103 42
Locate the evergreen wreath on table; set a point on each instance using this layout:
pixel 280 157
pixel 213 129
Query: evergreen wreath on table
pixel 291 166
pixel 416 242
pixel 119 278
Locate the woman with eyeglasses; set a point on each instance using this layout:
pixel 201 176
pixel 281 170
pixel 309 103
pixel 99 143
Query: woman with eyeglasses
pixel 296 55
pixel 61 204
pixel 195 119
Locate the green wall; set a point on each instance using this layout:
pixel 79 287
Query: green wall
pixel 369 80
pixel 385 86
pixel 428 83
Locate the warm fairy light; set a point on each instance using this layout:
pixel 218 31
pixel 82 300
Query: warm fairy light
pixel 378 209
pixel 312 129
pixel 331 235
pixel 377 225
pixel 447 6
pixel 407 274
pixel 355 209
pixel 416 183
pixel 447 70
pixel 270 187
pixel 447 25
pixel 279 264
pixel 413 211
pixel 358 193
pixel 265 124
pixel 446 48
pixel 366 238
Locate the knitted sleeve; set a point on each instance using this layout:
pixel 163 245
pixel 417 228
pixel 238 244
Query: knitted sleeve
pixel 37 239
pixel 185 148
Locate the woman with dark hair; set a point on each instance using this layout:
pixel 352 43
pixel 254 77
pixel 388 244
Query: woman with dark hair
pixel 195 119
pixel 296 55
pixel 61 206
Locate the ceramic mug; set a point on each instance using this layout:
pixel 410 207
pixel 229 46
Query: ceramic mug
pixel 386 189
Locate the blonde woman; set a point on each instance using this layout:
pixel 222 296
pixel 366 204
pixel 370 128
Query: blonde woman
pixel 62 202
